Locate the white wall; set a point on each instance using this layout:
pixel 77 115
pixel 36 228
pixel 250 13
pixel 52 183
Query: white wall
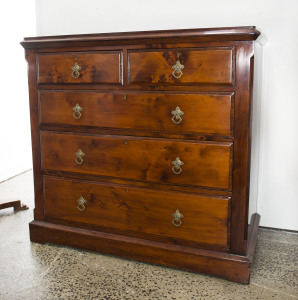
pixel 17 20
pixel 278 21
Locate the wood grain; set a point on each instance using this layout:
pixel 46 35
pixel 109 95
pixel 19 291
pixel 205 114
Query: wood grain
pixel 203 113
pixel 100 67
pixel 205 164
pixel 139 183
pixel 133 209
pixel 35 135
pixel 242 144
pixel 201 66
pixel 200 35
pixel 129 144
pixel 232 267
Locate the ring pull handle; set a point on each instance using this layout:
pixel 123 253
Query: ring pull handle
pixel 177 218
pixel 77 111
pixel 177 73
pixel 177 166
pixel 177 113
pixel 81 204
pixel 79 157
pixel 76 70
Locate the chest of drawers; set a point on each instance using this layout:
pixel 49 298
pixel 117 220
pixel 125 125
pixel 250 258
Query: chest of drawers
pixel 141 145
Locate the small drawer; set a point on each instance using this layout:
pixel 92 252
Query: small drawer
pixel 201 66
pixel 205 164
pixel 178 216
pixel 181 113
pixel 80 67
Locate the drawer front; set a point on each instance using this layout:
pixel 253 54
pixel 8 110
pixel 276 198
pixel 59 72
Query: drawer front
pixel 203 66
pixel 203 113
pixel 129 209
pixel 156 160
pixel 77 67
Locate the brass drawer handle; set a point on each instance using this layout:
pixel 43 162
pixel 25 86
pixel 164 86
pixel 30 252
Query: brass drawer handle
pixel 79 157
pixel 76 70
pixel 177 166
pixel 177 113
pixel 77 111
pixel 177 218
pixel 177 73
pixel 81 204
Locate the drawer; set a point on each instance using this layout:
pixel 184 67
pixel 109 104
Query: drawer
pixel 80 67
pixel 128 209
pixel 206 164
pixel 201 66
pixel 182 113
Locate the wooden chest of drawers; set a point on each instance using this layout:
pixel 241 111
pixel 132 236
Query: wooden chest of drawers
pixel 141 145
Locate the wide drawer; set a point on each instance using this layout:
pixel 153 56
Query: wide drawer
pixel 201 66
pixel 166 214
pixel 80 67
pixel 157 160
pixel 193 113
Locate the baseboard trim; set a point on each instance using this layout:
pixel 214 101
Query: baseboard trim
pixel 15 176
pixel 278 229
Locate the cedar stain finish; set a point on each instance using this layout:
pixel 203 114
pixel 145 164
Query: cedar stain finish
pixel 102 67
pixel 128 95
pixel 202 113
pixel 129 209
pixel 205 164
pixel 212 67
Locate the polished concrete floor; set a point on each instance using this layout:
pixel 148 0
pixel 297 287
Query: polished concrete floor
pixel 32 271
